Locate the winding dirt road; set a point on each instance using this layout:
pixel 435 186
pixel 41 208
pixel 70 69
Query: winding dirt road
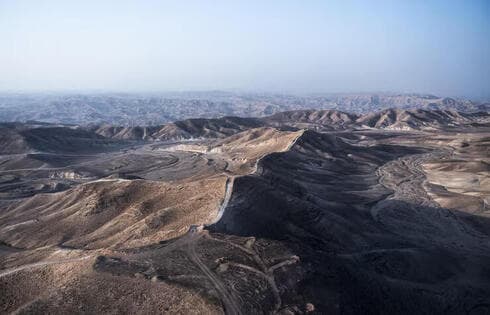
pixel 229 300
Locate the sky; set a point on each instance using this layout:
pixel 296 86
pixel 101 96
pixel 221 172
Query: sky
pixel 425 46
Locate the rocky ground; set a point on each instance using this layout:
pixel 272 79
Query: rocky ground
pixel 301 212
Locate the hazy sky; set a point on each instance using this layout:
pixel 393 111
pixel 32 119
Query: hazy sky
pixel 441 47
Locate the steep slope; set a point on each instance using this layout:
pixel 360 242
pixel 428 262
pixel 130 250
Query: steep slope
pixel 381 246
pixel 244 149
pixel 325 168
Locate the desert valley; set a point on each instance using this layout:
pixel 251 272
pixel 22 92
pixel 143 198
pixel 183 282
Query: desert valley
pixel 303 211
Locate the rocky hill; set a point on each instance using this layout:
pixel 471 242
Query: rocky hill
pixel 324 120
pixel 156 109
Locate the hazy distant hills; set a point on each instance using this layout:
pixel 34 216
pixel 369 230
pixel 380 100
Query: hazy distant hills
pixel 156 109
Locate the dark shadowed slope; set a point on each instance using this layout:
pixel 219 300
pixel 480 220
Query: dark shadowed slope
pixel 20 138
pixel 371 247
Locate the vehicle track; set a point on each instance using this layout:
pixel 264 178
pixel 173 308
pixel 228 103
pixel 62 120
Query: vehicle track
pixel 228 299
pixel 266 272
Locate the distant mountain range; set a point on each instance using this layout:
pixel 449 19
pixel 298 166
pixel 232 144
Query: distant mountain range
pixel 156 109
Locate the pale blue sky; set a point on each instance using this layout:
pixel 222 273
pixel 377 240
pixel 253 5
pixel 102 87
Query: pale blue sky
pixel 440 47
